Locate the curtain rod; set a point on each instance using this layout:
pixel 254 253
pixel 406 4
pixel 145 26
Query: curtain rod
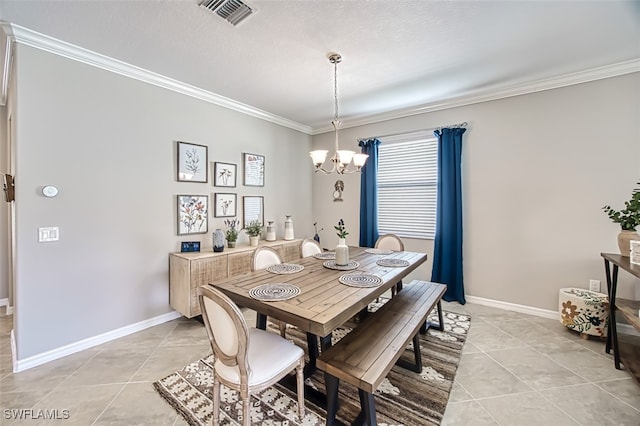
pixel 463 124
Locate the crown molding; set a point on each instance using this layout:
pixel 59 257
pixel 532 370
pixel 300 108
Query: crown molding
pixel 49 44
pixel 608 71
pixel 6 70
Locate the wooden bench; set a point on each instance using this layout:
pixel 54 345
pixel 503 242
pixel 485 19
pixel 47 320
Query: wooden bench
pixel 365 356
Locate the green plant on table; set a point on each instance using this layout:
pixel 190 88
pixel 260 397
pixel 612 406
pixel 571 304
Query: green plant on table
pixel 342 232
pixel 232 229
pixel 629 217
pixel 254 228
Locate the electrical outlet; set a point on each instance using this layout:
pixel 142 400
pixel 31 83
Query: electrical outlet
pixel 594 285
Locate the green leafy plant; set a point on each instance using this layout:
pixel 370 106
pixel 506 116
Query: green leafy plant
pixel 254 228
pixel 342 232
pixel 232 229
pixel 629 217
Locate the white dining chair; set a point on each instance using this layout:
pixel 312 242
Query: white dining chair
pixel 247 360
pixel 263 257
pixel 391 242
pixel 309 247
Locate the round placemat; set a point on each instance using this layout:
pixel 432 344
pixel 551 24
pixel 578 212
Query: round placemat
pixel 274 292
pixel 325 255
pixel 394 263
pixel 360 280
pixel 378 251
pixel 285 268
pixel 331 264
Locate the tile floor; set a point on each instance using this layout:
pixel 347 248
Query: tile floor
pixel 515 370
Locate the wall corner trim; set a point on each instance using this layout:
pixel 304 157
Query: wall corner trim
pixel 36 360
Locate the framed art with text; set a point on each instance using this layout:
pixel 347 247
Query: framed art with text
pixel 192 214
pixel 225 205
pixel 224 174
pixel 253 169
pixel 193 163
pixel 253 208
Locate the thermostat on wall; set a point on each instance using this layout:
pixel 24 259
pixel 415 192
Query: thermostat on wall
pixel 49 191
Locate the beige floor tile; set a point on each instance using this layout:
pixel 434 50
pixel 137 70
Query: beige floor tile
pixel 109 366
pixel 535 369
pixel 187 333
pixel 138 404
pixel 582 361
pixel 79 405
pixel 467 413
pixel 487 337
pixel 167 359
pixel 590 405
pixel 482 377
pixel 529 332
pixel 151 337
pixel 458 393
pixel 526 409
pixel 626 390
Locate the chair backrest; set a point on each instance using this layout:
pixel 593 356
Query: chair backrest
pixel 390 242
pixel 309 248
pixel 227 329
pixel 264 257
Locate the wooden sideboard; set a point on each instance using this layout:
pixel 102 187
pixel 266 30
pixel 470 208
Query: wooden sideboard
pixel 188 271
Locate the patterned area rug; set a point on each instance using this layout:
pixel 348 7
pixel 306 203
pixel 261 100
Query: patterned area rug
pixel 403 398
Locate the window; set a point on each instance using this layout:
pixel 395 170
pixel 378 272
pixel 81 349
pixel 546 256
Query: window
pixel 407 185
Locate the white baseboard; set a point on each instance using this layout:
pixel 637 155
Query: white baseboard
pixel 34 361
pixel 544 313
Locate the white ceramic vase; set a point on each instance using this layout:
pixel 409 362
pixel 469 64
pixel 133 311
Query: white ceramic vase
pixel 253 241
pixel 288 228
pixel 342 252
pixel 271 232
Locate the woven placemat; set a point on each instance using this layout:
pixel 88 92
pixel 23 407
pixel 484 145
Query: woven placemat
pixel 274 292
pixel 393 263
pixel 360 280
pixel 285 268
pixel 331 264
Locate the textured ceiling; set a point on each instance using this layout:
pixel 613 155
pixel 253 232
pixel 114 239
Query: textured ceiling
pixel 396 54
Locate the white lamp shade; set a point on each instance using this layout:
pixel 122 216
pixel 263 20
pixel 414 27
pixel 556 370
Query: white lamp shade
pixel 345 156
pixel 318 156
pixel 359 159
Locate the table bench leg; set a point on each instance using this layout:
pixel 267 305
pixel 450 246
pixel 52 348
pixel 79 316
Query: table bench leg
pixel 440 326
pixel 417 366
pixel 331 388
pixel 367 415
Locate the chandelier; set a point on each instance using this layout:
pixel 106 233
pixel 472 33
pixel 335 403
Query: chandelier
pixel 341 158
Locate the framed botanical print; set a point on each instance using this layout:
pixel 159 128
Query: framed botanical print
pixel 225 205
pixel 253 169
pixel 193 163
pixel 225 174
pixel 193 212
pixel 253 208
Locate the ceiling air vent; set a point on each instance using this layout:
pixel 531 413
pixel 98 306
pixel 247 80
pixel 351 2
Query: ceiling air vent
pixel 233 11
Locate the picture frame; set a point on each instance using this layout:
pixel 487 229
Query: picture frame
pixel 192 214
pixel 252 208
pixel 193 162
pixel 224 174
pixel 225 205
pixel 253 169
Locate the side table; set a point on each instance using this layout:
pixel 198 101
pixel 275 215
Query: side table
pixel 628 354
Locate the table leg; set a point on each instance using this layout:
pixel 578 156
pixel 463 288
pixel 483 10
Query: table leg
pixel 261 321
pixel 612 317
pixel 607 272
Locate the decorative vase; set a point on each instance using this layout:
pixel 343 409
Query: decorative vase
pixel 253 241
pixel 317 238
pixel 342 252
pixel 218 240
pixel 624 241
pixel 288 228
pixel 231 244
pixel 271 231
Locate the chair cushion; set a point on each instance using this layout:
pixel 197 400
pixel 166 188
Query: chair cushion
pixel 269 356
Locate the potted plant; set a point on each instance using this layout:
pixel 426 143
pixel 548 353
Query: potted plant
pixel 628 219
pixel 254 230
pixel 232 232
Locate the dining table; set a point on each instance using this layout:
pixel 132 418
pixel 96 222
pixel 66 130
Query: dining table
pixel 325 295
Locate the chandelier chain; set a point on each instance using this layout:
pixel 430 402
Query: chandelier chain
pixel 335 88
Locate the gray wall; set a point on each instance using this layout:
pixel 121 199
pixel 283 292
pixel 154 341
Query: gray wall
pixel 537 170
pixel 108 143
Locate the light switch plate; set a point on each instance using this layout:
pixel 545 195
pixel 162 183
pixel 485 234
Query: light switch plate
pixel 51 233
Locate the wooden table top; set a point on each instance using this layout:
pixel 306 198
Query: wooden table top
pixel 323 303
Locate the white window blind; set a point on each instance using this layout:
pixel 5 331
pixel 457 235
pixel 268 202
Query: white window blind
pixel 407 184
